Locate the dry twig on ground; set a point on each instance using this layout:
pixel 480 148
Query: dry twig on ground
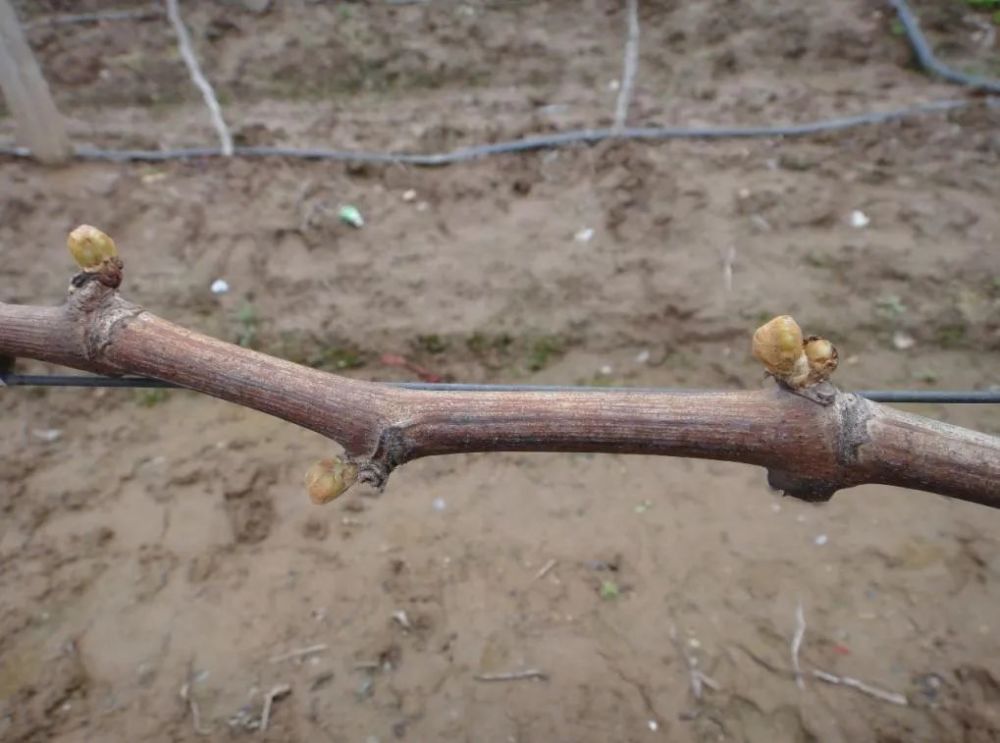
pixel 886 696
pixel 276 692
pixel 185 694
pixel 630 65
pixel 529 673
pixel 696 677
pixel 300 652
pixel 198 78
pixel 800 632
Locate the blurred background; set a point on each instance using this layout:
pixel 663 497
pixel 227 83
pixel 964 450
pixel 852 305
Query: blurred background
pixel 162 572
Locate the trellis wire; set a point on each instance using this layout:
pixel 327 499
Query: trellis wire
pixel 892 396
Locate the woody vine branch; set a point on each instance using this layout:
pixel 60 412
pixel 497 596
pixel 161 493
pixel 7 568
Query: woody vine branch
pixel 813 438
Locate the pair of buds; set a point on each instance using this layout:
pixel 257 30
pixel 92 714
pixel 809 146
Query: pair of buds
pixel 791 359
pixel 97 255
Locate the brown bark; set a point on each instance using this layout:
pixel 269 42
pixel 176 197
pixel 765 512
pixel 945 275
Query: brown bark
pixel 811 450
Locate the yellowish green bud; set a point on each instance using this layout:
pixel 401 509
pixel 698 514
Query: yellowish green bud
pixel 90 247
pixel 778 346
pixel 329 478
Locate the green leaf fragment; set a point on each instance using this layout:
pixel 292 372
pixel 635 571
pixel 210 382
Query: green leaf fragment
pixel 351 216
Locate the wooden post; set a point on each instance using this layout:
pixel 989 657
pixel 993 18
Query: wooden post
pixel 39 123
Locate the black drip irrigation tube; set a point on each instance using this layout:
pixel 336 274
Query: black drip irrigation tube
pixel 925 56
pixel 911 28
pixel 526 144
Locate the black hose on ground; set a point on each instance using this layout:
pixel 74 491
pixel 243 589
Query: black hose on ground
pixel 926 58
pixel 584 136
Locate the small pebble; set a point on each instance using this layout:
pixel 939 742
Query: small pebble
pixel 902 341
pixel 859 219
pixel 146 673
pixel 409 195
pixel 653 725
pixel 584 235
pixel 149 178
pixel 439 504
pixel 821 540
pixel 220 286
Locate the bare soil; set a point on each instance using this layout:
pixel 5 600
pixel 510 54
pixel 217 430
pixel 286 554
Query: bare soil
pixel 155 542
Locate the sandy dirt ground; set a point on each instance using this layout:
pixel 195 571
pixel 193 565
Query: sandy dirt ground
pixel 157 542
